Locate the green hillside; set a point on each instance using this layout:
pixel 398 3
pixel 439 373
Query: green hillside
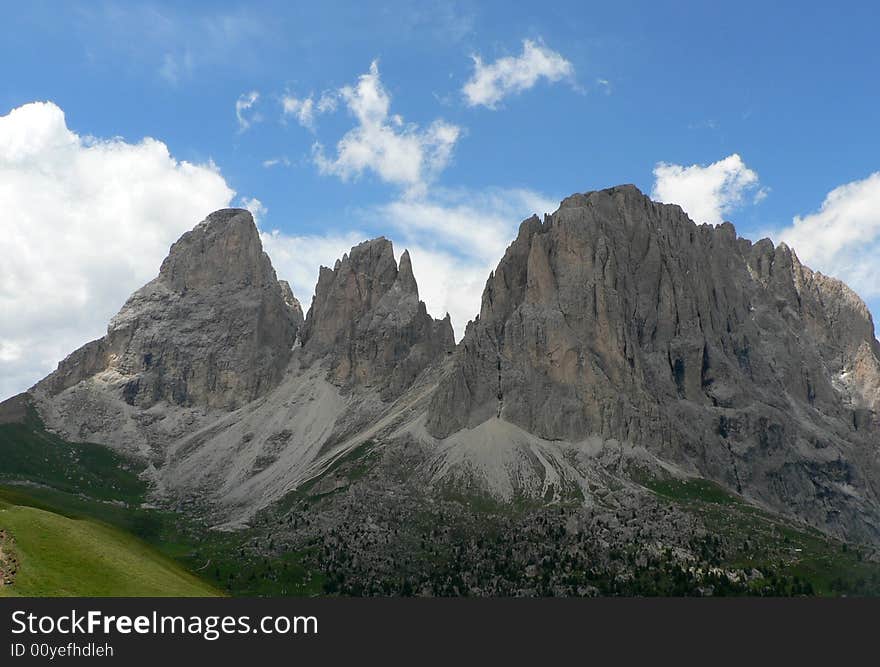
pixel 76 526
pixel 76 509
pixel 55 555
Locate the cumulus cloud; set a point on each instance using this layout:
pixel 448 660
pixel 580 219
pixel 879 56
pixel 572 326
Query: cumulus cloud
pixel 86 222
pixel 707 192
pixel 243 113
pixel 490 83
pixel 842 238
pixel 399 153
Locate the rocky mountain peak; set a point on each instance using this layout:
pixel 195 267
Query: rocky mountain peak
pixel 405 277
pixel 346 293
pixel 215 328
pixel 224 248
pixel 367 318
pixel 615 328
pixel 618 317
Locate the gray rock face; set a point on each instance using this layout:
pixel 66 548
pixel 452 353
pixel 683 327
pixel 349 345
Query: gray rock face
pixel 214 329
pixel 292 303
pixel 367 318
pixel 620 318
pixel 614 335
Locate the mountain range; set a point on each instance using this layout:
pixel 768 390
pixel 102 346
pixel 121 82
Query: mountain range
pixel 619 345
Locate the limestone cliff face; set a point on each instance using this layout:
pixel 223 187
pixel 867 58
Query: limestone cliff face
pixel 292 303
pixel 613 333
pixel 214 329
pixel 367 318
pixel 619 317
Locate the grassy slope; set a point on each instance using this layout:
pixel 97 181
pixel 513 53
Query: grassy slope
pixel 28 452
pixel 77 533
pixel 61 556
pixel 91 486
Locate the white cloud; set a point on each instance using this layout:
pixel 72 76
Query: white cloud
pixel 306 109
pixel 255 206
pixel 513 74
pixel 243 106
pixel 842 238
pixel 86 222
pixel 706 193
pixel 382 143
pixel 275 161
pixel 9 351
pixel 328 102
pixel 456 237
pixel 297 258
pixel 449 283
pixel 303 109
pixel 177 67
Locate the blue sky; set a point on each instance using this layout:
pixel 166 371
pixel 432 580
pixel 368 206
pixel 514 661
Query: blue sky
pixel 757 110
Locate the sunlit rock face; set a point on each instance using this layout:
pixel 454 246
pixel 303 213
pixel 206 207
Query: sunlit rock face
pixel 214 329
pixel 618 317
pixel 616 339
pixel 367 318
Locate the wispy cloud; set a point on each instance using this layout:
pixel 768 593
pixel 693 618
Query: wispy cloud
pixel 455 238
pixel 306 109
pixel 276 161
pixel 255 206
pixel 174 41
pixel 243 110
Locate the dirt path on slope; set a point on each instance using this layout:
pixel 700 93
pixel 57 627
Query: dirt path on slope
pixel 8 561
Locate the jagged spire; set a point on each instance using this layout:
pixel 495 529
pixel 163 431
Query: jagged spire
pixel 367 318
pixel 405 277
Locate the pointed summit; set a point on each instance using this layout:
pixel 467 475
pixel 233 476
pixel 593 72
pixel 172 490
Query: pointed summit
pixel 366 318
pixel 405 277
pixel 213 329
pixel 224 248
pixel 346 293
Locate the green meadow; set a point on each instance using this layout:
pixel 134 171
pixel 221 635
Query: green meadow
pixel 61 556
